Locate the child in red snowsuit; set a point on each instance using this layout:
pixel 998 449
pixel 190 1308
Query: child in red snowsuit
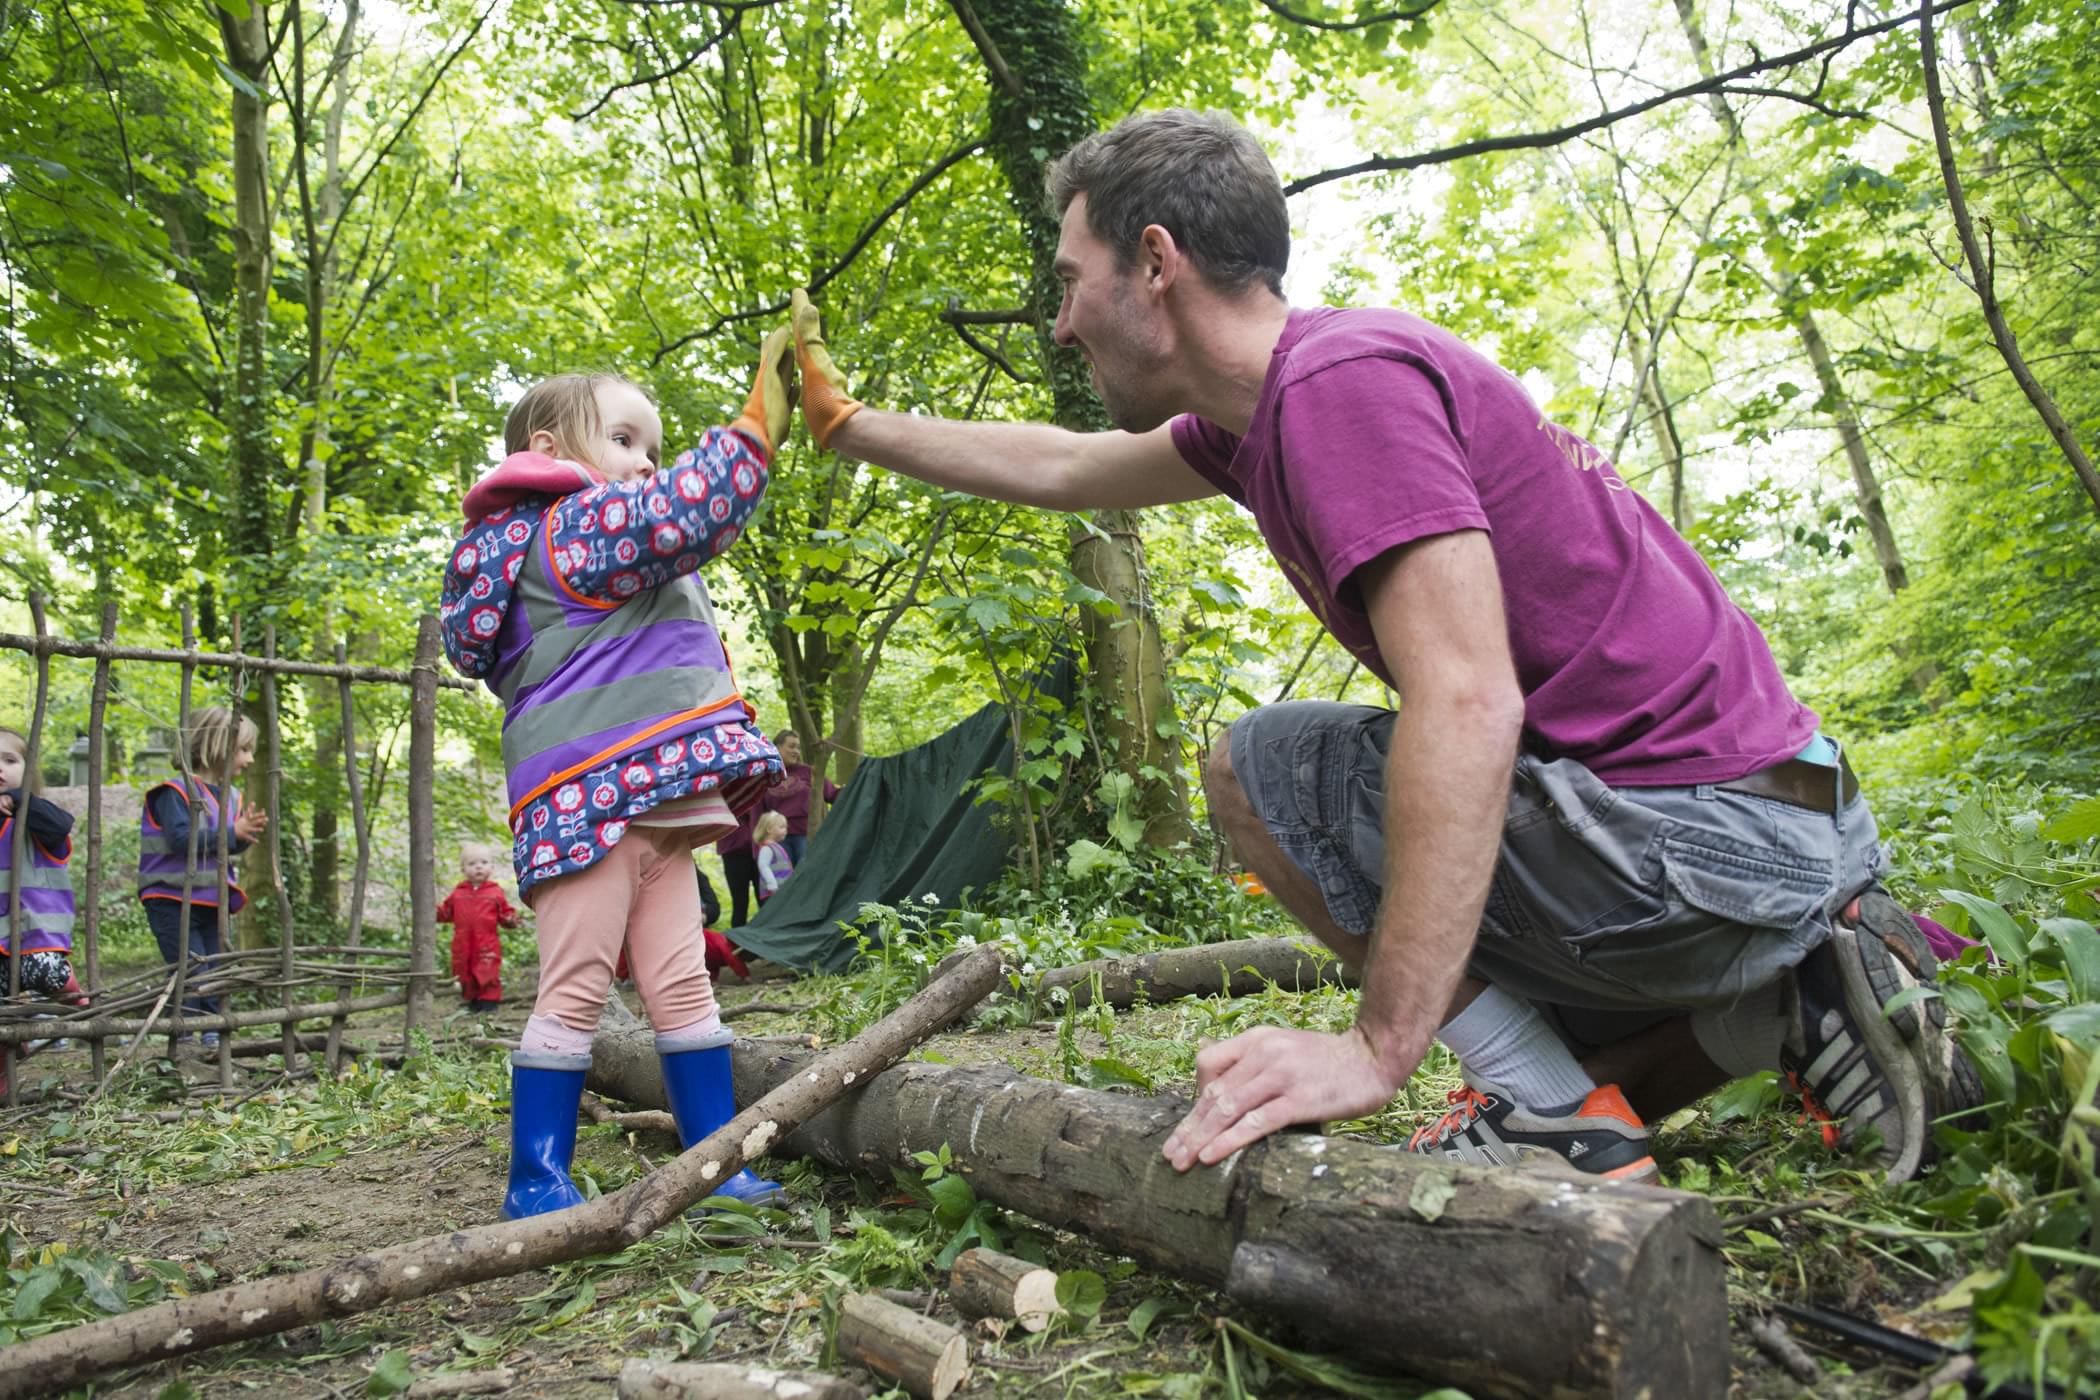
pixel 476 908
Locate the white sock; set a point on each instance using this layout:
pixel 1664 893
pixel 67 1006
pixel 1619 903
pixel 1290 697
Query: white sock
pixel 1744 1038
pixel 707 1033
pixel 543 1035
pixel 1506 1042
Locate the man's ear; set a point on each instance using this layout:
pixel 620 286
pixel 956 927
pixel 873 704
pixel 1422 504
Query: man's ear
pixel 1160 256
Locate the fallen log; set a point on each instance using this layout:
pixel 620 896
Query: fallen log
pixel 985 1283
pixel 924 1355
pixel 1505 1282
pixel 61 1360
pixel 1237 968
pixel 701 1380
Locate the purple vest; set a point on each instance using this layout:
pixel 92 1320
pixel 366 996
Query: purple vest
pixel 593 682
pixel 47 895
pixel 162 857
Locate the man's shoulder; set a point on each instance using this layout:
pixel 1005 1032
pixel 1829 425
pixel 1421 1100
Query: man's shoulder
pixel 1334 336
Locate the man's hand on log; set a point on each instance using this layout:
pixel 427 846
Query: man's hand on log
pixel 1251 1085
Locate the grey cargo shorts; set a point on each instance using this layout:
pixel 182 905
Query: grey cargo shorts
pixel 1615 900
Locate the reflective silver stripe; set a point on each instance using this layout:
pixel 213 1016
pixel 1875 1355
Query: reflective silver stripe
pixel 1820 1068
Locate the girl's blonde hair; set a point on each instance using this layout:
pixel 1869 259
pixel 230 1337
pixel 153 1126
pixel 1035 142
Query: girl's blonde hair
pixel 214 736
pixel 769 826
pixel 29 782
pixel 470 849
pixel 565 407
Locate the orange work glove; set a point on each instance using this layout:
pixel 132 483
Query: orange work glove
pixel 825 403
pixel 772 400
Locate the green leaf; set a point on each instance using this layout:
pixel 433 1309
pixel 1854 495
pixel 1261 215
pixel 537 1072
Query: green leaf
pixel 1152 1310
pixel 1105 1072
pixel 574 1308
pixel 2081 822
pixel 30 1298
pixel 1999 929
pixel 391 1376
pixel 953 1200
pixel 100 1280
pixel 1082 1292
pixel 2080 945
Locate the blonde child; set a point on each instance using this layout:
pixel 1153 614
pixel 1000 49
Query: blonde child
pixel 769 838
pixel 574 594
pixel 478 910
pixel 217 748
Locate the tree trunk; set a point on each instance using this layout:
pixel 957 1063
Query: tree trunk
pixel 1234 969
pixel 1503 1281
pixel 251 475
pixel 1040 108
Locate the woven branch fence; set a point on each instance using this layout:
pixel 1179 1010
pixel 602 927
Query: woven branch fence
pixel 287 984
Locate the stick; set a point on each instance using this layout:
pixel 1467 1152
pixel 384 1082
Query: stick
pixel 464 1383
pixel 928 1358
pixel 262 1307
pixel 1776 1342
pixel 688 1380
pixel 988 1284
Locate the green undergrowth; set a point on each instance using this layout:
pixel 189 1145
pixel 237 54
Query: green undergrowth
pixel 1994 1252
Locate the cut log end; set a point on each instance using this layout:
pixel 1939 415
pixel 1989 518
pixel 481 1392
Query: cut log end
pixel 928 1358
pixel 988 1284
pixel 692 1380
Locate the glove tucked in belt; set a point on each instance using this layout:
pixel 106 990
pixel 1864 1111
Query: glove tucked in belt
pixel 1816 786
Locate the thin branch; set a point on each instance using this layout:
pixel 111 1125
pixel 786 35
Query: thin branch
pixel 1540 140
pixel 728 28
pixel 962 320
pixel 1980 270
pixel 986 49
pixel 846 260
pixel 1343 26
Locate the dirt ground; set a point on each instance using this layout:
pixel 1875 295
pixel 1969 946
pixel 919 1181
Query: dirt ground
pixel 284 1220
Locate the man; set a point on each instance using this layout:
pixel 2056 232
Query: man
pixel 1599 850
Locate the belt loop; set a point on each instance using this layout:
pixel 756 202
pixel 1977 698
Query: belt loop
pixel 1837 781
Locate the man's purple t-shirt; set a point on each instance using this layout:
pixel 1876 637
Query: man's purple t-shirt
pixel 1375 428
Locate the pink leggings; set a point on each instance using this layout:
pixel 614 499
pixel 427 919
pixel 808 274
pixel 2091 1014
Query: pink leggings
pixel 641 892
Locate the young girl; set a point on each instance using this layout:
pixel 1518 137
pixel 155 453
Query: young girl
pixel 574 595
pixel 217 748
pixel 45 889
pixel 774 864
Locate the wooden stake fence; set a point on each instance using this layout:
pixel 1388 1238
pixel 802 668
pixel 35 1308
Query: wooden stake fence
pixel 275 974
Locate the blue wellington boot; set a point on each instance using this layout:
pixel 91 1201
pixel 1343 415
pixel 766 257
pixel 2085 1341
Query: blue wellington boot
pixel 702 1099
pixel 545 1091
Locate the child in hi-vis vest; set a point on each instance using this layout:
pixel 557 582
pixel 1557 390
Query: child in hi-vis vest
pixel 574 593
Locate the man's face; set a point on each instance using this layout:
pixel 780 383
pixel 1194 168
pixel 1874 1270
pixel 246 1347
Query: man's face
pixel 1105 314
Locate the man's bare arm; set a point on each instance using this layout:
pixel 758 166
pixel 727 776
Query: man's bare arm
pixel 1436 609
pixel 1028 463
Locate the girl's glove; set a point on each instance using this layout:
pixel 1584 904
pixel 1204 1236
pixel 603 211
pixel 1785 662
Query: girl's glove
pixel 772 400
pixel 825 403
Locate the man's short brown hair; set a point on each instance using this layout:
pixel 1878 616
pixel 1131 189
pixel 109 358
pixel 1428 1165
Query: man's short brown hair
pixel 1199 175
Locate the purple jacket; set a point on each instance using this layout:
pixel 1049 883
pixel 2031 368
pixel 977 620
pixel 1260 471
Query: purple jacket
pixel 577 601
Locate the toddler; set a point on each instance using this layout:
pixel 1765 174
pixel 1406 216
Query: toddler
pixel 574 594
pixel 774 864
pixel 181 891
pixel 476 909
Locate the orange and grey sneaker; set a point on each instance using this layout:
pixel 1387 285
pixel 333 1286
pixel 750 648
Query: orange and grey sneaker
pixel 1602 1135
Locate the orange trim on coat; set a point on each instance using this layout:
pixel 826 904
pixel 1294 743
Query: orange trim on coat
pixel 554 569
pixel 612 751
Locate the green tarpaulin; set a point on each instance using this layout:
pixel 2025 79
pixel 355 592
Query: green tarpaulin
pixel 905 827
